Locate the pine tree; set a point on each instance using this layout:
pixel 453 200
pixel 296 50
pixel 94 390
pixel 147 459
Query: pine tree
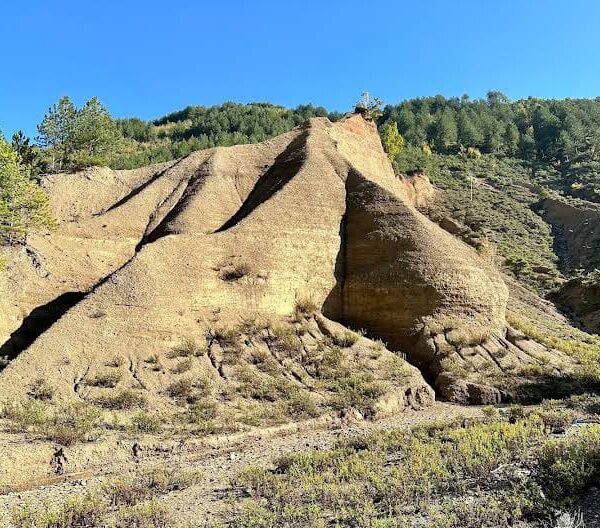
pixel 445 132
pixel 469 133
pixel 511 139
pixel 56 132
pixel 546 129
pixel 21 145
pixel 95 134
pixel 23 204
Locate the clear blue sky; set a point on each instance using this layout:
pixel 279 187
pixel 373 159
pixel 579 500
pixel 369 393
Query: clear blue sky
pixel 147 58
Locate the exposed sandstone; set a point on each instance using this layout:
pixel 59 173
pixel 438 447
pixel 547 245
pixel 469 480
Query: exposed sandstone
pixel 170 252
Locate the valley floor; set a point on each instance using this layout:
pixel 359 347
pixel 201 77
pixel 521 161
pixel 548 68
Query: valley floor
pixel 224 473
pixel 218 459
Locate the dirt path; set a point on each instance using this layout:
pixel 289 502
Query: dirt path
pixel 207 500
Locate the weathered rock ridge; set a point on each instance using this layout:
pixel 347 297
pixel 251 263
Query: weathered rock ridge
pixel 144 259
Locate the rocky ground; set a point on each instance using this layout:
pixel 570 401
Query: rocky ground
pixel 219 459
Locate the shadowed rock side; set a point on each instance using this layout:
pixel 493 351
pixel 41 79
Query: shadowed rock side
pixel 577 240
pixel 426 293
pixel 576 233
pixel 193 249
pixel 580 299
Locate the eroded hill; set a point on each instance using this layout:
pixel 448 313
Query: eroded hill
pixel 186 252
pixel 185 316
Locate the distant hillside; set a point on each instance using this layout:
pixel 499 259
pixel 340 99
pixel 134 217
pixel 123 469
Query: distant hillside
pixel 199 127
pixel 560 136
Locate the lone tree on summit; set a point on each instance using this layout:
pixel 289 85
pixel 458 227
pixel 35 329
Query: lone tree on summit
pixel 370 108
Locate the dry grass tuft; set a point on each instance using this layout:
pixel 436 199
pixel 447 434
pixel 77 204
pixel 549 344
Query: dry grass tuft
pixel 109 379
pixel 40 389
pixel 121 400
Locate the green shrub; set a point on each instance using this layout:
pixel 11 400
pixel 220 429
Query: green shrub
pixel 441 475
pixel 517 264
pixel 356 391
pixel 202 410
pixel 73 423
pixel 569 465
pixel 188 348
pixel 23 415
pixel 305 306
pixel 227 337
pixel 188 390
pixel 346 339
pixel 148 484
pixel 396 370
pixel 64 424
pixel 301 405
pixel 149 514
pixel 87 511
pixel 263 388
pixel 144 422
pixel 555 419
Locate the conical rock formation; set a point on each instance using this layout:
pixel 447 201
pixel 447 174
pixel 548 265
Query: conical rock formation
pixel 191 251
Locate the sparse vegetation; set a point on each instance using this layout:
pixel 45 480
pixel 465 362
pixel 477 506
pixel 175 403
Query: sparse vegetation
pixel 262 387
pixel 40 389
pixel 144 422
pixel 301 405
pixel 201 411
pixel 492 200
pixel 64 424
pixel 305 306
pixel 121 400
pixel 183 366
pixel 122 503
pixel 423 478
pixel 108 379
pixel 227 337
pixel 188 390
pixel 86 511
pixel 148 514
pixel 346 339
pixel 155 363
pixel 454 366
pixel 116 362
pixel 577 344
pixel 186 349
pixel 396 369
pixel 235 271
pixel 148 484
